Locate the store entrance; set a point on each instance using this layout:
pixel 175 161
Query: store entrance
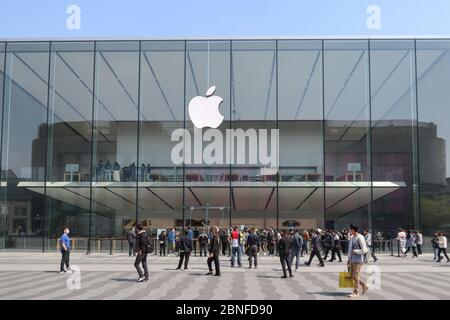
pixel 205 216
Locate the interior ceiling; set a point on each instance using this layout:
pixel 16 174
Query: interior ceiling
pixel 116 95
pixel 340 198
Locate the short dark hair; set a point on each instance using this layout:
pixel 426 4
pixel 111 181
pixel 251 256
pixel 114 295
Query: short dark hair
pixel 64 228
pixel 354 227
pixel 139 226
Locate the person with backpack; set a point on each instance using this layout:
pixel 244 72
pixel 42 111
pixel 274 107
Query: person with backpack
pixel 143 248
pixel 270 242
pixel 357 248
pixel 253 244
pixel 185 248
pixel 203 241
pixel 297 244
pixel 65 251
pixel 284 251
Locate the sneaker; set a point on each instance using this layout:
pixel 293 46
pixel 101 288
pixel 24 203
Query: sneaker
pixel 141 279
pixel 321 265
pixel 209 273
pixel 283 277
pixel 61 272
pixel 69 271
pixel 291 276
pixel 353 295
pixel 365 289
pixel 146 279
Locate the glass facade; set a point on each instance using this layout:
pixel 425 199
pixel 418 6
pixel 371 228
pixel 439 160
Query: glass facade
pixel 88 136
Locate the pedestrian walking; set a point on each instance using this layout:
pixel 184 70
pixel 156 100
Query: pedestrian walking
pixel 65 251
pixel 284 250
pixel 442 243
pixel 411 244
pixel 419 242
pixel 185 249
pixel 271 242
pixel 171 241
pixel 162 243
pixel 435 245
pixel 356 250
pixel 297 244
pixel 203 242
pixel 131 238
pixel 214 249
pixel 143 248
pixel 235 247
pixel 252 248
pixel 401 238
pixel 370 247
pixel 315 250
pixel 336 247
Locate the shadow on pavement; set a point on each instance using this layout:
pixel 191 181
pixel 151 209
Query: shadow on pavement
pixel 331 294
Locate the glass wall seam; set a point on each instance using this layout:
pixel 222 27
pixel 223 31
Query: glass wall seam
pixel 417 220
pixel 88 249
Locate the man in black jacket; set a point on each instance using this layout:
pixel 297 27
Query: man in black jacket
pixel 142 244
pixel 185 246
pixel 284 250
pixel 315 242
pixel 252 247
pixel 213 249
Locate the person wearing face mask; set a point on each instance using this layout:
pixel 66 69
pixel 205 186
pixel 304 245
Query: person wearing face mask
pixel 65 251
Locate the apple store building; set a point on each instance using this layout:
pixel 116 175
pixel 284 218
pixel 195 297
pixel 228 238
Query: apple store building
pixel 303 132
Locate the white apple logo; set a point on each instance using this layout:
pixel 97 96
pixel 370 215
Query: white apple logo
pixel 204 111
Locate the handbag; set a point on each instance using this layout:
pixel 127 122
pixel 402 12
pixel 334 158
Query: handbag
pixel 345 280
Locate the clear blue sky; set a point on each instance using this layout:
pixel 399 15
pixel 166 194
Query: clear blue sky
pixel 148 18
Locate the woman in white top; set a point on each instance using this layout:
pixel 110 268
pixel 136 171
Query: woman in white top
pixel 442 243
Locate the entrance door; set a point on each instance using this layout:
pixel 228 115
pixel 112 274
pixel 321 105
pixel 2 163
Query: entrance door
pixel 204 217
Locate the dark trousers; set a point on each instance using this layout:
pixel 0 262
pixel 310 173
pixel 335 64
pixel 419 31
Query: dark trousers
pixel 131 249
pixel 335 251
pixel 304 247
pixel 141 258
pixel 316 253
pixel 271 247
pixel 419 249
pixel 184 256
pixel 224 248
pixel 285 260
pixel 162 249
pixel 442 250
pixel 295 253
pixel 253 253
pixel 414 251
pixel 215 258
pixel 327 250
pixel 202 249
pixel 65 256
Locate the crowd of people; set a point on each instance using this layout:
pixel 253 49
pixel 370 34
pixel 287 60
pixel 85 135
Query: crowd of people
pixel 289 245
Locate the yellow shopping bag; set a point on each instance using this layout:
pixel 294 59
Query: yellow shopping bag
pixel 345 280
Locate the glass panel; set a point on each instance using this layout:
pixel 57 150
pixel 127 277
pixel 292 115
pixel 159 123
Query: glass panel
pixel 433 75
pixel 253 113
pixel 115 168
pixel 161 112
pixel 69 140
pixel 3 207
pixel 394 143
pixel 300 112
pixel 24 143
pixel 347 126
pixel 207 171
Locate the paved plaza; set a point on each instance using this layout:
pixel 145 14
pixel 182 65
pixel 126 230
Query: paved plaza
pixel 35 276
